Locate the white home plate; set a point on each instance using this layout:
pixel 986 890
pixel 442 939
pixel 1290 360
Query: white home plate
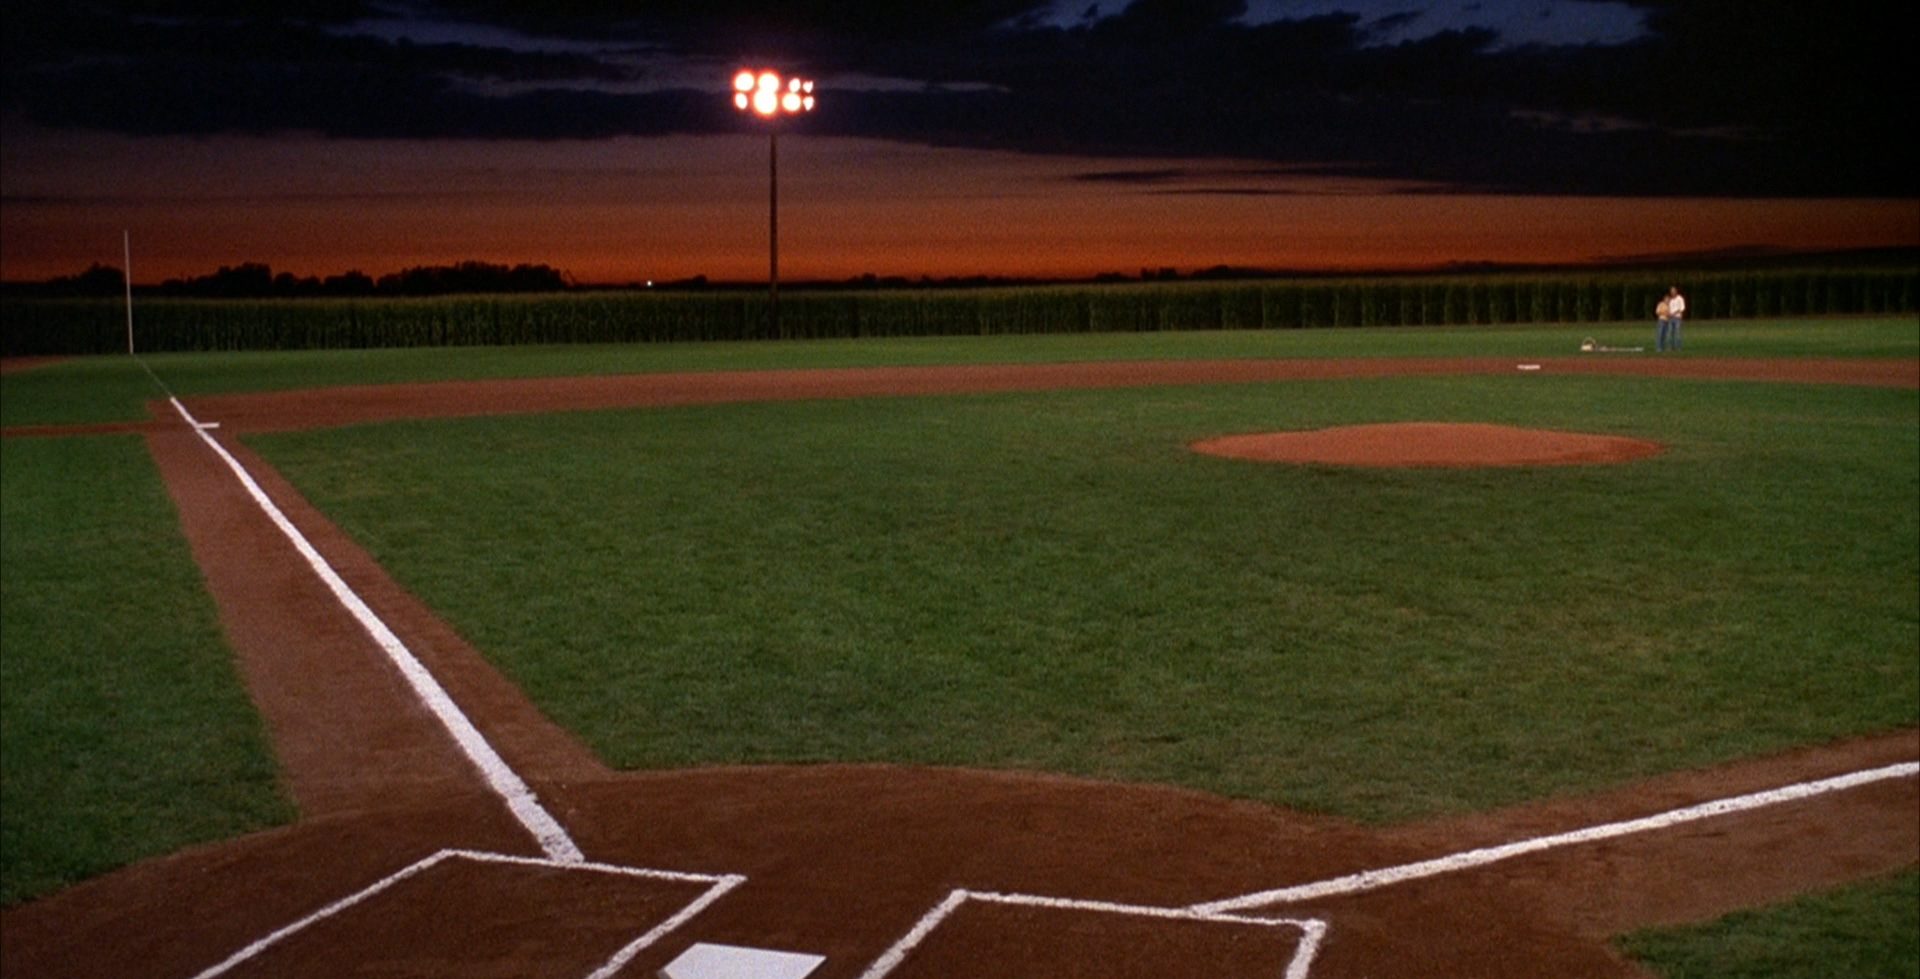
pixel 704 961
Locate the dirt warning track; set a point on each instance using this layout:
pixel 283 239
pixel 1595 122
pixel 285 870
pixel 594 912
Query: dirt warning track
pixel 409 860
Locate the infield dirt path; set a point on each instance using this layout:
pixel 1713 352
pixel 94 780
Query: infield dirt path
pixel 845 861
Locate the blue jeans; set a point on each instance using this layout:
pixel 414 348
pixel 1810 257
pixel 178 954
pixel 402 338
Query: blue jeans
pixel 1669 335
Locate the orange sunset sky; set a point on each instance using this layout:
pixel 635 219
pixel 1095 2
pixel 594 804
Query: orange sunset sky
pixel 663 208
pixel 1010 138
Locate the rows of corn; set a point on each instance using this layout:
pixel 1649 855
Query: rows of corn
pixel 83 326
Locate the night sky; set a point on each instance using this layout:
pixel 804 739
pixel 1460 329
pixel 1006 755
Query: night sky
pixel 1004 137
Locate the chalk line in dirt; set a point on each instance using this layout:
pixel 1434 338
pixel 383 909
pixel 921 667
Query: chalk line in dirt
pixel 1312 930
pixel 1369 880
pixel 500 777
pixel 559 847
pixel 562 851
pixel 718 886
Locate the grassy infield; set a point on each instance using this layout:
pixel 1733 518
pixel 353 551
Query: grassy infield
pixel 1037 580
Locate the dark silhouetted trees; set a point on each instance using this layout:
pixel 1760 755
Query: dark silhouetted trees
pixel 97 280
pixel 439 280
pixel 256 280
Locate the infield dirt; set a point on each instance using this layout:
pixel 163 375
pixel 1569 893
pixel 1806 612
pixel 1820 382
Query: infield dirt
pixel 843 860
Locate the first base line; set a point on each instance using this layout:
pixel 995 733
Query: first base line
pixel 1313 931
pixel 1369 880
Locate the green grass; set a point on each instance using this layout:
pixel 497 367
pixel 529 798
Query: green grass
pixel 124 732
pixel 77 391
pixel 1867 931
pixel 1051 581
pixel 1040 580
pixel 115 388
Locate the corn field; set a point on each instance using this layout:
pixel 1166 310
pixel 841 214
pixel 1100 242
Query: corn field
pixel 87 326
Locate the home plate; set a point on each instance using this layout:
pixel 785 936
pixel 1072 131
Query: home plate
pixel 704 961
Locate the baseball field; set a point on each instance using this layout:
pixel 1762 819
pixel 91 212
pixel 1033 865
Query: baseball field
pixel 951 657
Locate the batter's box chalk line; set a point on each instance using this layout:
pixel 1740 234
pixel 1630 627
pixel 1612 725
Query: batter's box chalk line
pixel 717 887
pixel 1312 930
pixel 564 854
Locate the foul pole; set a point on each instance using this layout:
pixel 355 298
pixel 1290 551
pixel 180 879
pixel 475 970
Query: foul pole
pixel 126 256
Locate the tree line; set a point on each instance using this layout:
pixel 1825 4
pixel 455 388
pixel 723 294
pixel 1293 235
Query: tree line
pixel 257 280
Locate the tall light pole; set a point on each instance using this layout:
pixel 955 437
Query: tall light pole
pixel 765 94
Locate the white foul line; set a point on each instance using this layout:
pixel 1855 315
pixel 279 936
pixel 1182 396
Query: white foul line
pixel 553 839
pixel 1312 930
pixel 1375 879
pixel 562 851
pixel 719 885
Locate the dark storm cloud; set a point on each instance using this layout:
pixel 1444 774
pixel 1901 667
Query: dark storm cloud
pixel 1764 98
pixel 201 69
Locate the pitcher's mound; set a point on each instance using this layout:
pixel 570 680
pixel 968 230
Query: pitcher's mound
pixel 1431 444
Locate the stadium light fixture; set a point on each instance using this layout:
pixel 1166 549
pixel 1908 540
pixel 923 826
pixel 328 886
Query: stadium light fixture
pixel 763 93
pixel 766 94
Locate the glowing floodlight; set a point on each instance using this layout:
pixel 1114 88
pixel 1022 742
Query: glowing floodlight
pixel 766 94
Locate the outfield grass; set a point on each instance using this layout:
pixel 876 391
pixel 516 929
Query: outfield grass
pixel 1867 931
pixel 1051 581
pixel 1038 580
pixel 124 732
pixel 79 390
pixel 98 389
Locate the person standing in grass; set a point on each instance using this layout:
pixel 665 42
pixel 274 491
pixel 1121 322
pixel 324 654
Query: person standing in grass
pixel 1671 311
pixel 1660 331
